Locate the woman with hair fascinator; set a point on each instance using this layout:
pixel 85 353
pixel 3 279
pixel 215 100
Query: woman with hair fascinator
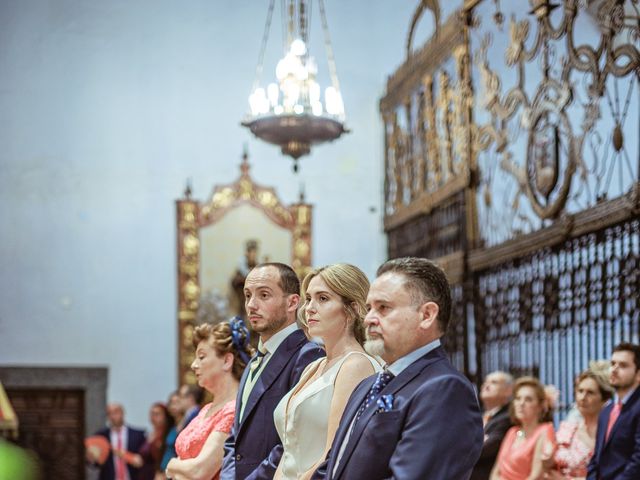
pixel 222 353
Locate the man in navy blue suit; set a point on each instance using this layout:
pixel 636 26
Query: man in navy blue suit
pixel 419 418
pixel 617 451
pixel 122 438
pixel 272 295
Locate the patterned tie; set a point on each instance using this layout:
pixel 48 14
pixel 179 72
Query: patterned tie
pixel 382 380
pixel 257 361
pixel 613 416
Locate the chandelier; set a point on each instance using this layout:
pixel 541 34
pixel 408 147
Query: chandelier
pixel 292 112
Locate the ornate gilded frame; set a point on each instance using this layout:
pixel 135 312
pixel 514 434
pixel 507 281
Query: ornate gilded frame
pixel 193 215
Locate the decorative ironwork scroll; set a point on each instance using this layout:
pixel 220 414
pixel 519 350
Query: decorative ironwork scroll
pixel 557 111
pixel 193 216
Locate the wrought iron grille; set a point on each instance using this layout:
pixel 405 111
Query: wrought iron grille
pixel 551 312
pixel 437 234
pixel 456 340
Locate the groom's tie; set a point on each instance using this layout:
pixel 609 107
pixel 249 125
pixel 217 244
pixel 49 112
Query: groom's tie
pixel 382 380
pixel 255 364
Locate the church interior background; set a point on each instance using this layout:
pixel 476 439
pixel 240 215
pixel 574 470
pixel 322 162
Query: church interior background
pixel 500 138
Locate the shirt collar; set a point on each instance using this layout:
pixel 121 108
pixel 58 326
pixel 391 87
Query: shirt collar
pixel 493 411
pixel 399 365
pixel 626 397
pixel 274 342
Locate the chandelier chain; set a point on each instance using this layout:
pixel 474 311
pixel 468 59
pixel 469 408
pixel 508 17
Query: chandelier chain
pixel 327 43
pixel 263 47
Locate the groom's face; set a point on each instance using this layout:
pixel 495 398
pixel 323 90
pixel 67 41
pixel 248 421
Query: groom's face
pixel 266 302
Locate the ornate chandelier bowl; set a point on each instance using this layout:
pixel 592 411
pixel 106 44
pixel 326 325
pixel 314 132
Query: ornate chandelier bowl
pixel 295 134
pixel 291 111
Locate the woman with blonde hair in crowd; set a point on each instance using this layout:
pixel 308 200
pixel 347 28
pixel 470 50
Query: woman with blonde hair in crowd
pixel 522 449
pixel 308 416
pixel 577 437
pixel 222 353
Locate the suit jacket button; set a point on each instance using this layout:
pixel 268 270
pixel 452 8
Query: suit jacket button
pixel 238 457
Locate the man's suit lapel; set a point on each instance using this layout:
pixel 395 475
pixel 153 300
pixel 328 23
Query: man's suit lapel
pixel 603 421
pixel 271 372
pixel 392 387
pixel 348 415
pixel 243 384
pixel 496 419
pixel 623 413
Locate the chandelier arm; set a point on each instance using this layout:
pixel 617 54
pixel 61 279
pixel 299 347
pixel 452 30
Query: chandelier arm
pixel 327 43
pixel 263 47
pixel 291 23
pixel 284 18
pixel 309 12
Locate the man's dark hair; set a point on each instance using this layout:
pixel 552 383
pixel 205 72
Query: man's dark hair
pixel 195 392
pixel 426 282
pixel 289 281
pixel 630 347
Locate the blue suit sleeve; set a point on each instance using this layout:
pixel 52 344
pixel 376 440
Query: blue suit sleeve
pixel 592 468
pixel 632 469
pixel 228 470
pixel 444 414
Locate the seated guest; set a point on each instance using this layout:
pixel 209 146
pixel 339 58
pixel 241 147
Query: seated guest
pixel 617 452
pixel 151 452
pixel 521 453
pixel 307 417
pixel 191 397
pixel 175 410
pixel 495 394
pixel 576 438
pixel 222 353
pixel 123 439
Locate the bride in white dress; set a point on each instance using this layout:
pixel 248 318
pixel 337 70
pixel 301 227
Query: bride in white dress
pixel 308 416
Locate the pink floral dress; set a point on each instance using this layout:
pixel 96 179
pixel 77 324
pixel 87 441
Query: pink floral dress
pixel 191 440
pixel 573 455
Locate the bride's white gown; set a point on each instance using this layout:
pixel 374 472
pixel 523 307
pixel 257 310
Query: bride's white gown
pixel 302 417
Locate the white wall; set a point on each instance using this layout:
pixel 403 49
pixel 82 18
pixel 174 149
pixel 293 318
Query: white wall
pixel 106 108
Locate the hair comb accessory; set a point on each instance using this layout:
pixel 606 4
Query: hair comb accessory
pixel 240 338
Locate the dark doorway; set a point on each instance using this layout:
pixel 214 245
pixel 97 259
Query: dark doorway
pixel 52 426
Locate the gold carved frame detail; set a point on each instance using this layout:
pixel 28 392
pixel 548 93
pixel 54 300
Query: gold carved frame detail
pixel 193 215
pixel 427 116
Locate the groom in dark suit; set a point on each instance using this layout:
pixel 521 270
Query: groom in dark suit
pixel 272 295
pixel 419 418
